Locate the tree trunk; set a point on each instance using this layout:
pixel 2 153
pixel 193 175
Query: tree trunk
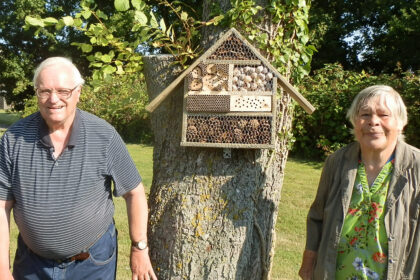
pixel 211 217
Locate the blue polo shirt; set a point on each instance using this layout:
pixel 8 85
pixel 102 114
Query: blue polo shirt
pixel 63 205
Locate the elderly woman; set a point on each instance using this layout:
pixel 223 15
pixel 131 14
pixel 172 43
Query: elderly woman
pixel 364 222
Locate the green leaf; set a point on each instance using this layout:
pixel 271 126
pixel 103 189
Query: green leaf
pixel 101 14
pixel 106 58
pixel 68 21
pixel 50 21
pixel 120 70
pixel 86 14
pixel 78 22
pixel 34 21
pixel 91 58
pixel 304 39
pixel 96 75
pixel 264 37
pixel 153 20
pixel 122 5
pixel 304 58
pixel 184 16
pixel 138 4
pixel 86 48
pixel 97 30
pixel 162 25
pixel 98 55
pixel 108 69
pixel 97 64
pixel 302 3
pixel 102 41
pixel 136 27
pixel 217 19
pixel 140 17
pixel 59 25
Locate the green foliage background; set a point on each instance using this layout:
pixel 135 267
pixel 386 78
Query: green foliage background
pixel 331 90
pixel 371 35
pixel 109 46
pixel 120 101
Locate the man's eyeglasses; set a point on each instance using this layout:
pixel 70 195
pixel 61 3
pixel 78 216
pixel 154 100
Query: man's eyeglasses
pixel 65 93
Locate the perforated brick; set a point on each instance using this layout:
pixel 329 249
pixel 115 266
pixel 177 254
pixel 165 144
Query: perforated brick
pixel 208 103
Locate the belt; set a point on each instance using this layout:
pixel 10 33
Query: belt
pixel 79 257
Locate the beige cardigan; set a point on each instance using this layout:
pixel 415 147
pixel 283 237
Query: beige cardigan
pixel 326 215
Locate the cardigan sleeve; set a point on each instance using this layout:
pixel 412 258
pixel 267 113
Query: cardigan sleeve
pixel 314 222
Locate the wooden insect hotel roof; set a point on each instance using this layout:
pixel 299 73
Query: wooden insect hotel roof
pixel 230 97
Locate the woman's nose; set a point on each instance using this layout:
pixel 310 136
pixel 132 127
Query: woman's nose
pixel 374 120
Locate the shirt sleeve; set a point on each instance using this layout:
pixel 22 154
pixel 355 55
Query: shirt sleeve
pixel 5 170
pixel 121 167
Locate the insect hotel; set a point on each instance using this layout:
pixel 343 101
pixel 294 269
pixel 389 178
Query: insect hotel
pixel 230 97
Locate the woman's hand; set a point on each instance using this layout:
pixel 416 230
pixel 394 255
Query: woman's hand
pixel 306 270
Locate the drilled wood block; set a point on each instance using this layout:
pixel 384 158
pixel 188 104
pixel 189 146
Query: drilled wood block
pixel 250 103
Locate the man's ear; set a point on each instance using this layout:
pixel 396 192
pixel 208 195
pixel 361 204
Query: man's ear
pixel 79 92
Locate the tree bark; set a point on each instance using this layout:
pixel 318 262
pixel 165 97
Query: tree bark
pixel 211 217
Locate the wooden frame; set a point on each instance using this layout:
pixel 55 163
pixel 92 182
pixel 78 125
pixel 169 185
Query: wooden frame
pixel 233 71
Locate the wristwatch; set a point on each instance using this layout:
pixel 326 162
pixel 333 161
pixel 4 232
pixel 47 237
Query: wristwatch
pixel 141 245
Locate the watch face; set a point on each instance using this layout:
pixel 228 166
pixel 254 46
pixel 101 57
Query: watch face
pixel 142 245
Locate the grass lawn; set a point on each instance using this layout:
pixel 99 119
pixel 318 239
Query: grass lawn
pixel 299 188
pixel 7 118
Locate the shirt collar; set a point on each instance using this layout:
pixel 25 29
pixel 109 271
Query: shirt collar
pixel 44 134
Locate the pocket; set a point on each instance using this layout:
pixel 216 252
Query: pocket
pixel 105 249
pixel 415 211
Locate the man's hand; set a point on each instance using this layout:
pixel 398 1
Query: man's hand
pixel 6 275
pixel 306 271
pixel 5 209
pixel 141 267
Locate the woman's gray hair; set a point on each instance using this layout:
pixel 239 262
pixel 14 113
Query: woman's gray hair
pixel 55 61
pixel 388 95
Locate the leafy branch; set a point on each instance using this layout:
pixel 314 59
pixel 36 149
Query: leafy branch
pixel 124 56
pixel 282 35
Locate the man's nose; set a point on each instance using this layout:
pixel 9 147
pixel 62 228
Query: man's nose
pixel 53 97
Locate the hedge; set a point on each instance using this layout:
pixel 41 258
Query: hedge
pixel 331 90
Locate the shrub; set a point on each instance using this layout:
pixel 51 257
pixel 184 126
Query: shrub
pixel 331 90
pixel 120 101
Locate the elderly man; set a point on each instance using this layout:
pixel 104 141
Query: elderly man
pixel 56 169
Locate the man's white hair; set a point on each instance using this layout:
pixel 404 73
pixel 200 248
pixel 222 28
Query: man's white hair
pixel 57 60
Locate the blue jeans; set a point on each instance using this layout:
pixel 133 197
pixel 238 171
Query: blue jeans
pixel 101 265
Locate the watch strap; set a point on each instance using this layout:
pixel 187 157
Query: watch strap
pixel 141 245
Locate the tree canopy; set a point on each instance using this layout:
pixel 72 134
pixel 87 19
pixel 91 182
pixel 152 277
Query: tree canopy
pixel 377 36
pixel 370 35
pixel 21 50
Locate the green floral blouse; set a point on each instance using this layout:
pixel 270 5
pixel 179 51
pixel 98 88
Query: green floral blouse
pixel 363 247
